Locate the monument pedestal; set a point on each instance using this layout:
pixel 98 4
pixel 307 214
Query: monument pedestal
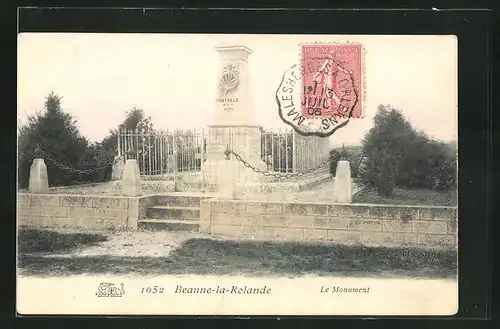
pixel 227 178
pixel 234 126
pixel 244 141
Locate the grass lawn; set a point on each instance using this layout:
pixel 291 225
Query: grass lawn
pixel 218 257
pixel 416 197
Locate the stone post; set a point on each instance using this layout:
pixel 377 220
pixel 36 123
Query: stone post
pixel 343 184
pixel 117 169
pixel 131 182
pixel 39 180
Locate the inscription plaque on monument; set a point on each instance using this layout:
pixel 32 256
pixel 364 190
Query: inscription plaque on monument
pixel 228 85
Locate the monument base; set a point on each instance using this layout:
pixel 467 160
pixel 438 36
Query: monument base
pixel 244 140
pixel 227 178
pixel 244 175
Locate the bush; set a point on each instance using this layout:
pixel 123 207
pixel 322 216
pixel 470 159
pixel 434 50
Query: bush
pixel 394 154
pixel 335 156
pixel 352 154
pixel 96 157
pixel 433 167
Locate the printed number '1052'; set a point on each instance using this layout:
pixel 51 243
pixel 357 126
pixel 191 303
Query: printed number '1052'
pixel 152 290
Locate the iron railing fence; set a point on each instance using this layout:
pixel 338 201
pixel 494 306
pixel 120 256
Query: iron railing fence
pixel 164 154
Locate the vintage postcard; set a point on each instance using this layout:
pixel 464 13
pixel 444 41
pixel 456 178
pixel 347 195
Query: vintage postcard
pixel 198 174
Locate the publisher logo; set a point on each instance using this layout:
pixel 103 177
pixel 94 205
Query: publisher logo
pixel 107 289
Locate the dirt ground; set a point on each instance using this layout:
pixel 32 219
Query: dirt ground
pixel 70 252
pixel 142 243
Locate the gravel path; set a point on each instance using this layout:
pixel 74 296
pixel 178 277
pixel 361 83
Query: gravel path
pixel 131 243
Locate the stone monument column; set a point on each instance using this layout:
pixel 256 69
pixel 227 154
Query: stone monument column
pixel 234 120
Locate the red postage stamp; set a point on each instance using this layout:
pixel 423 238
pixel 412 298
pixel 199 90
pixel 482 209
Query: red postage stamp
pixel 331 80
pixel 325 90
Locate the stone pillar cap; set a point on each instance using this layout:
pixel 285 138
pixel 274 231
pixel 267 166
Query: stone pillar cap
pixel 234 47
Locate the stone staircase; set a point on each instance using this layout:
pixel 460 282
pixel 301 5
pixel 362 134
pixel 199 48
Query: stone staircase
pixel 173 213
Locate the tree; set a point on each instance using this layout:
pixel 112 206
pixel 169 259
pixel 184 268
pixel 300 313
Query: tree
pixel 397 155
pixel 133 118
pixel 138 130
pixel 384 149
pixel 56 134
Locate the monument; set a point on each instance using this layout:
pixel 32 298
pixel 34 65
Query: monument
pixel 234 125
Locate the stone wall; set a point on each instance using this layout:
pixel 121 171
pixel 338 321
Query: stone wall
pixel 81 211
pixel 159 186
pixel 385 225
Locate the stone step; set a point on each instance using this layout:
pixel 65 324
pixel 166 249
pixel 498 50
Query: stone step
pixel 169 224
pixel 178 200
pixel 173 212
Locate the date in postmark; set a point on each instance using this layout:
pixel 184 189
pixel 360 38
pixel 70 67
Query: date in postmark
pixel 324 92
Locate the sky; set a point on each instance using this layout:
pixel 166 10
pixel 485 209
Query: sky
pixel 173 78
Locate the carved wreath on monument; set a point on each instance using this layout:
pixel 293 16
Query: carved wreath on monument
pixel 230 79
